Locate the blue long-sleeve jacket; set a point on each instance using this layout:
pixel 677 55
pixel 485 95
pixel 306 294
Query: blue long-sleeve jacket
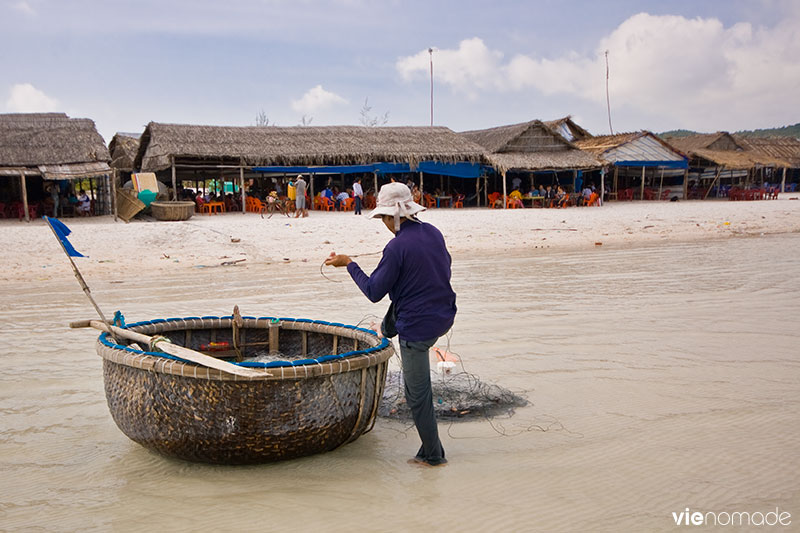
pixel 415 272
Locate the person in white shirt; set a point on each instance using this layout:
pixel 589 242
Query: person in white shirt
pixel 358 194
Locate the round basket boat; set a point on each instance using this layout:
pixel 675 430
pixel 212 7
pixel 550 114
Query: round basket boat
pixel 172 210
pixel 321 386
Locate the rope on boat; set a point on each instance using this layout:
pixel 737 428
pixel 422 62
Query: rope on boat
pixel 351 257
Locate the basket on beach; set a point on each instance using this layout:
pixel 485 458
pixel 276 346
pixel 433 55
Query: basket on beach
pixel 172 210
pixel 128 204
pixel 322 393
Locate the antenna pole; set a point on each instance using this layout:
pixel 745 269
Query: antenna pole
pixel 430 51
pixel 608 101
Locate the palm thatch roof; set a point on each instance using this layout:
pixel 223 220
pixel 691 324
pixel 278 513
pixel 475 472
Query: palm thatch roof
pixel 51 144
pixel 720 140
pixel 783 149
pixel 603 143
pixel 300 145
pixel 123 148
pixel 737 152
pixel 530 146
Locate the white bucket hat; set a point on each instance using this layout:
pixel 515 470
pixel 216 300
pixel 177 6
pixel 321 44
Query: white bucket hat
pixel 394 199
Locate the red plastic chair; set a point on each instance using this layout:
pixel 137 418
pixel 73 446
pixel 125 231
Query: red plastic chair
pixel 31 211
pixel 429 201
pixel 458 203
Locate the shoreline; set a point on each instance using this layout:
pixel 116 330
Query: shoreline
pixel 145 247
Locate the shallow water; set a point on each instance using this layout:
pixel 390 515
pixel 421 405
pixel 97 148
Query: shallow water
pixel 659 378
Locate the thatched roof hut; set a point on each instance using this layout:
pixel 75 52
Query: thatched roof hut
pixel 634 149
pixel 530 146
pixel 123 148
pixel 638 159
pixel 51 145
pixel 163 144
pixel 715 149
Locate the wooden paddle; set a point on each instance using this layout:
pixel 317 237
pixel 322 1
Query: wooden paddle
pixel 172 349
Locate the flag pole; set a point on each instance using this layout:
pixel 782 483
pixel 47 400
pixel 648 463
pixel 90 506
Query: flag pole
pixel 83 284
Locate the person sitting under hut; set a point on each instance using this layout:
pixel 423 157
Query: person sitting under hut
pixel 84 203
pixel 416 194
pixel 338 202
pixel 586 194
pixel 561 197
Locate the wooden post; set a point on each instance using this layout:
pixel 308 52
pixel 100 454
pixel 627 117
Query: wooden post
pixel 311 195
pixel 241 187
pixel 478 191
pixel 783 180
pixel 375 181
pixel 719 171
pixel 24 190
pixel 114 177
pixel 661 183
pixel 641 193
pixel 602 185
pixel 174 181
pixel 686 183
pixel 505 191
pixel 574 180
pixel 486 191
pixel 614 189
pixel 421 189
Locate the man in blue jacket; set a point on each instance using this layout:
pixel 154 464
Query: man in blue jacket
pixel 415 272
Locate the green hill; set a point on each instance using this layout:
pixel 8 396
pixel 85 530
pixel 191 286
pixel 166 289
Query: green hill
pixel 677 133
pixel 785 131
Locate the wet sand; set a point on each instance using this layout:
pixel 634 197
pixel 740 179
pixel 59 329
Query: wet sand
pixel 663 373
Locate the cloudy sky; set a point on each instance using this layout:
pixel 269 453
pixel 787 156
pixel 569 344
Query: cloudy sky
pixel 705 65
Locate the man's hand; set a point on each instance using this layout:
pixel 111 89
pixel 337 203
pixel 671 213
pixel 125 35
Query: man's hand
pixel 338 260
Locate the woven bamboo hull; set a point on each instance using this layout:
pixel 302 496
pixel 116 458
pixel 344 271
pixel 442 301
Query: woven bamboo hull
pixel 172 210
pixel 199 414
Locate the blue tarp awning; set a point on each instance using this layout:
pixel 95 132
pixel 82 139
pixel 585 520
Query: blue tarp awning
pixel 458 170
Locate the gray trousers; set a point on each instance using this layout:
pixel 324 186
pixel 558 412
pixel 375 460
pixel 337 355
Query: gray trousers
pixel 419 396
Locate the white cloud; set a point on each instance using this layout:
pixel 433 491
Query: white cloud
pixel 692 72
pixel 469 68
pixel 317 99
pixel 25 98
pixel 24 7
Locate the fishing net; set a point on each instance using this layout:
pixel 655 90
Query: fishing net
pixel 456 396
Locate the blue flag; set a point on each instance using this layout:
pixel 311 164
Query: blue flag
pixel 61 231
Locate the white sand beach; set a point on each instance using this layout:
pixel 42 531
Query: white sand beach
pixel 149 248
pixel 655 341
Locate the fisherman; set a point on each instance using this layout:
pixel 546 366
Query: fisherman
pixel 415 272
